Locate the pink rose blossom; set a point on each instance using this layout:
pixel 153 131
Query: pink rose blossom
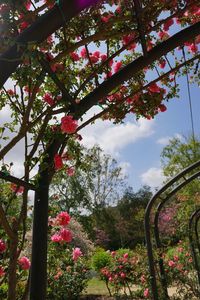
pixel 171 263
pixel 2 273
pixel 167 24
pixel 66 235
pixel 58 163
pixel 76 253
pixel 70 171
pixel 154 88
pixel 24 263
pixel 122 275
pixel 117 66
pixel 56 238
pixel 2 246
pixel 68 124
pixel 74 56
pixel 146 293
pixel 83 53
pixel 103 57
pixel 17 189
pixel 48 99
pixel 63 218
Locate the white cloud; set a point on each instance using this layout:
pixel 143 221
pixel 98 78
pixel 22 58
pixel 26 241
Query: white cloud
pixel 126 166
pixel 165 140
pixel 153 177
pixel 113 138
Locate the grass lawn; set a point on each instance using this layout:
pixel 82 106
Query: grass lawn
pixel 96 287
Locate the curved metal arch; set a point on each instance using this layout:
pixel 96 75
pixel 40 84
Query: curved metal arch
pixel 163 191
pixel 196 232
pixel 193 223
pixel 156 229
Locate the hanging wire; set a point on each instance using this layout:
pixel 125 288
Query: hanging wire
pixel 189 95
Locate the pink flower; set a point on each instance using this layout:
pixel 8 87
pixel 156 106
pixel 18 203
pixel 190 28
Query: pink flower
pixel 163 108
pixel 113 253
pixel 24 263
pixel 66 235
pixel 193 48
pixel 57 276
pixel 162 63
pixel 48 99
pixel 11 92
pixel 2 246
pixel 83 53
pixel 117 66
pixel 17 189
pixel 167 24
pixel 76 253
pixel 70 171
pixel 126 40
pixel 163 35
pixel 23 25
pixel 74 56
pixel 122 275
pixel 68 124
pixel 2 273
pixel 103 57
pixel 94 59
pixel 56 238
pixel 96 53
pixel 143 279
pixel 180 249
pixel 63 218
pixel 125 255
pixel 146 293
pixel 154 88
pixel 171 263
pixel 58 163
pixel 106 18
pixel 28 5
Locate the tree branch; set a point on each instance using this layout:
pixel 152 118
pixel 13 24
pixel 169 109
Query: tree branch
pixel 44 26
pixel 134 67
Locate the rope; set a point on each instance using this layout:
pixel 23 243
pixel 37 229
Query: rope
pixel 189 95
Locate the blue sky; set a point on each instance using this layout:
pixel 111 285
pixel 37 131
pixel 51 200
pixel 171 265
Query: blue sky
pixel 137 146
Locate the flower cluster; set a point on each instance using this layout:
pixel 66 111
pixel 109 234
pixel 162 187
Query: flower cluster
pixel 64 234
pixel 58 164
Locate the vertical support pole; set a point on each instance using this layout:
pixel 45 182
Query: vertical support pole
pixel 38 281
pixel 192 242
pixel 150 253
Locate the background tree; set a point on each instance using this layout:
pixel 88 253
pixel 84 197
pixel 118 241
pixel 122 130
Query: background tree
pixel 176 156
pixel 98 182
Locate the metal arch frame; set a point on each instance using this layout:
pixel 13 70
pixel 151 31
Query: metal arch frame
pixel 193 224
pixel 182 175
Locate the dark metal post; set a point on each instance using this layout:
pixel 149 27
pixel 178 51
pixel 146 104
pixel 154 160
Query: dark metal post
pixel 192 242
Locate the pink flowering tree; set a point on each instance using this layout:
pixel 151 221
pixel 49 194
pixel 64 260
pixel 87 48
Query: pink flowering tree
pixel 64 59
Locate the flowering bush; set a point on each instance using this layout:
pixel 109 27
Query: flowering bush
pixel 180 272
pixel 67 267
pixel 124 272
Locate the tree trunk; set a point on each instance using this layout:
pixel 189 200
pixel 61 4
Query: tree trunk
pixel 12 277
pixel 39 246
pixel 38 274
